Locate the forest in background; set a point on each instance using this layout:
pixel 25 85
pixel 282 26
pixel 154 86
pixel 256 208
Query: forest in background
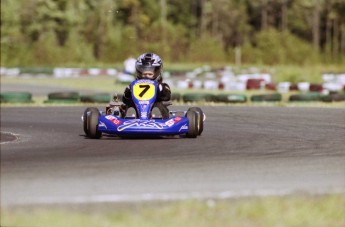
pixel 103 32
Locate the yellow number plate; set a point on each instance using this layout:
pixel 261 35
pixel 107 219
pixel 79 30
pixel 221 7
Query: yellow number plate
pixel 143 91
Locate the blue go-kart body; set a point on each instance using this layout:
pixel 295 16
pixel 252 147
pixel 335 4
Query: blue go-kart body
pixel 144 123
pixel 138 127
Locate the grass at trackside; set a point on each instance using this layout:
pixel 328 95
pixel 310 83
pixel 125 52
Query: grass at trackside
pixel 280 73
pixel 292 73
pixel 293 210
pixel 107 84
pixel 295 74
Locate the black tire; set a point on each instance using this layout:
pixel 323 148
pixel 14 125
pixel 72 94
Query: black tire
pixel 85 121
pixel 326 98
pixel 307 97
pixel 92 123
pixel 60 101
pixel 162 108
pixel 338 97
pixel 198 97
pixel 333 98
pixel 96 98
pixel 276 97
pixel 64 96
pixel 193 124
pixel 176 97
pixel 200 118
pixel 16 97
pixel 231 98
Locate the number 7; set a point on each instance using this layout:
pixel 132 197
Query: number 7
pixel 146 88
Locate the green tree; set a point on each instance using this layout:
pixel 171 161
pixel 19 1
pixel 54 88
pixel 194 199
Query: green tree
pixel 50 32
pixel 10 31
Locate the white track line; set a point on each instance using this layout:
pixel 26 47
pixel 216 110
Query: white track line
pixel 12 141
pixel 151 197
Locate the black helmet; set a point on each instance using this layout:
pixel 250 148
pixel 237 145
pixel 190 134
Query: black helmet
pixel 149 62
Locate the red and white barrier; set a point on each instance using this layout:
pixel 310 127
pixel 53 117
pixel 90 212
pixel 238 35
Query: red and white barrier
pixel 202 78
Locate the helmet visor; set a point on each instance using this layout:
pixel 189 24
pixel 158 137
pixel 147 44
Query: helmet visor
pixel 148 75
pixel 148 72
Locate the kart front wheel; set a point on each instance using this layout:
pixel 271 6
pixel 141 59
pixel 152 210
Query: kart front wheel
pixel 193 124
pixel 200 118
pixel 85 121
pixel 92 123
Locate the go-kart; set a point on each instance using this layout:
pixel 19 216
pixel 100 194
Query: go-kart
pixel 149 118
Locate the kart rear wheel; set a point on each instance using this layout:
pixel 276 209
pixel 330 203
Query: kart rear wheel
pixel 200 118
pixel 193 124
pixel 85 116
pixel 92 123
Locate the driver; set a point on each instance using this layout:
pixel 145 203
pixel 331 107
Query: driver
pixel 149 66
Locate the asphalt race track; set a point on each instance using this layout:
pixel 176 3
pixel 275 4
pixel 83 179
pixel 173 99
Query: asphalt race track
pixel 242 151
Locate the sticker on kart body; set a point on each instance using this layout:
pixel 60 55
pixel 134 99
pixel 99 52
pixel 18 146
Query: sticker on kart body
pixel 173 121
pixel 144 91
pixel 144 102
pixel 170 123
pixel 183 127
pixel 177 119
pixel 143 124
pixel 113 119
pixel 101 124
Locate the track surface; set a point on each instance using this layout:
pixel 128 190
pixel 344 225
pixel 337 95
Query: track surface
pixel 242 151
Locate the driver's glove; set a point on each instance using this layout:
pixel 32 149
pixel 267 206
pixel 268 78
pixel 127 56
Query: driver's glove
pixel 164 92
